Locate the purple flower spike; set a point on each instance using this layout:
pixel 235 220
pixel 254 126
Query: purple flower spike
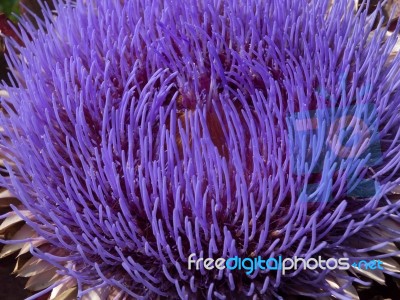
pixel 139 135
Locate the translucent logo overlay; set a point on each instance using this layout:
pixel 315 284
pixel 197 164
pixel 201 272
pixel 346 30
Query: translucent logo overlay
pixel 335 143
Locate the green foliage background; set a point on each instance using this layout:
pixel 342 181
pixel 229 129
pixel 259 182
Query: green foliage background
pixel 9 6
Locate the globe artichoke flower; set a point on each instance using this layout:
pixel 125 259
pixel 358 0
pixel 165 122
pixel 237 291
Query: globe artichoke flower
pixel 137 133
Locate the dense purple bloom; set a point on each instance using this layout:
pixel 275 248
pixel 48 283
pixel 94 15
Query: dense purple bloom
pixel 139 132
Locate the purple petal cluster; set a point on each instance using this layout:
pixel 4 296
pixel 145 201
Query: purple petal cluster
pixel 140 132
